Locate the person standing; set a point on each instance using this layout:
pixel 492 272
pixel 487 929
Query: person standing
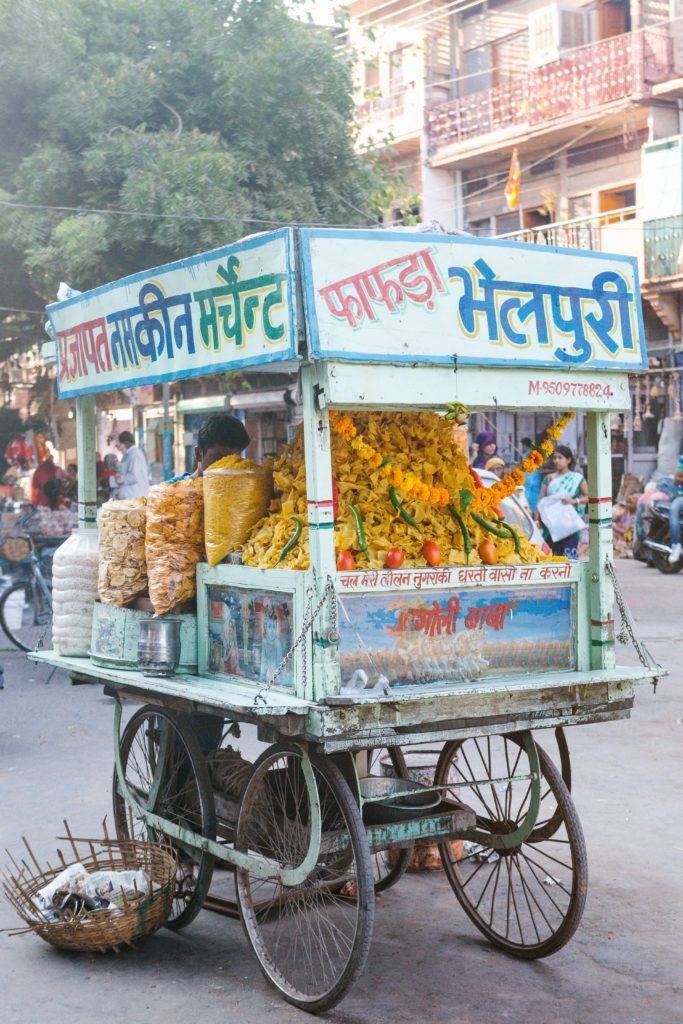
pixel 571 486
pixel 486 448
pixel 45 472
pixel 132 479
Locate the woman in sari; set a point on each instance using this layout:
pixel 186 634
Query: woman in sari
pixel 571 486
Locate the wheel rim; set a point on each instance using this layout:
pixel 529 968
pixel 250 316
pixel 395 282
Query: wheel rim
pixel 310 939
pixel 528 899
pixel 162 772
pixel 26 618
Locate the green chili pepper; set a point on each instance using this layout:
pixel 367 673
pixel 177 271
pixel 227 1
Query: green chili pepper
pixel 396 502
pixel 466 539
pixel 513 534
pixel 495 530
pixel 298 527
pixel 466 499
pixel 386 461
pixel 360 530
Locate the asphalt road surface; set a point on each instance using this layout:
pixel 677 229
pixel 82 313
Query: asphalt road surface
pixel 427 962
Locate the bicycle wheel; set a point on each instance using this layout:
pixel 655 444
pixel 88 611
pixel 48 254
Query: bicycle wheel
pixel 311 939
pixel 388 866
pixel 166 773
pixel 26 616
pixel 528 899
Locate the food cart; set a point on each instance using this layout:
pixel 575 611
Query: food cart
pixel 363 661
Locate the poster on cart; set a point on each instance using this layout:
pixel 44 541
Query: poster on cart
pixel 404 639
pixel 222 310
pixel 250 631
pixel 401 297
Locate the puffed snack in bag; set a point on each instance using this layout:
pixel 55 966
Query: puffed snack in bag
pixel 123 569
pixel 175 542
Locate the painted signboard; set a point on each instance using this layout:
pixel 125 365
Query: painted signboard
pixel 433 298
pixel 222 310
pixel 250 631
pixel 449 635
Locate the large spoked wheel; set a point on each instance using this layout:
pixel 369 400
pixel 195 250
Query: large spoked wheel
pixel 388 866
pixel 166 774
pixel 527 897
pixel 26 616
pixel 312 938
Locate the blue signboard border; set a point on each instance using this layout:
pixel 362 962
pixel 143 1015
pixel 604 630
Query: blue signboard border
pixel 290 354
pixel 307 235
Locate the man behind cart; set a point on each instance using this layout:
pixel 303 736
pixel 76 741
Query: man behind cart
pixel 221 435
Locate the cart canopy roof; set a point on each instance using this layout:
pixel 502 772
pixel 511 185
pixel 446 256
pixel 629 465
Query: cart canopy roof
pixel 398 297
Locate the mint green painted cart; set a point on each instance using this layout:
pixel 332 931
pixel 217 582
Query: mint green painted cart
pixel 384 321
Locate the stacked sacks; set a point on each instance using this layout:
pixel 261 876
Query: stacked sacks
pixel 74 592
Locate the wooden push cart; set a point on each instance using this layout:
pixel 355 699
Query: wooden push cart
pixel 373 321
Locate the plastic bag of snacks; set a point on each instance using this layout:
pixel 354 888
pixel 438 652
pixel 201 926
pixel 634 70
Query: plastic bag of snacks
pixel 175 542
pixel 123 570
pixel 237 493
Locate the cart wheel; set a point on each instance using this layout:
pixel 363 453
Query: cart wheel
pixel 165 771
pixel 311 939
pixel 528 899
pixel 387 866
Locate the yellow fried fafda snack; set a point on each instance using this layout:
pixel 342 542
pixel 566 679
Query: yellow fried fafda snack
pixel 237 493
pixel 421 443
pixel 175 542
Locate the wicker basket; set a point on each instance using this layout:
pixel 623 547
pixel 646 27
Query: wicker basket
pixel 97 931
pixel 15 549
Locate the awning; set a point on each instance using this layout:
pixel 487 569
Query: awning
pixel 211 403
pixel 260 401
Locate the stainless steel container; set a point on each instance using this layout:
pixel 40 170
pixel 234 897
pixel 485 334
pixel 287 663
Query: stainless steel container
pixel 159 646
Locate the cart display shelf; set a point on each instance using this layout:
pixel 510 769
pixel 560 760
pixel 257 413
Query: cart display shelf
pixel 406 717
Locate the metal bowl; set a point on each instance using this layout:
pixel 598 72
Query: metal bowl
pixel 395 799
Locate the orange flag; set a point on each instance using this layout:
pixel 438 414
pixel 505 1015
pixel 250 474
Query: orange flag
pixel 512 185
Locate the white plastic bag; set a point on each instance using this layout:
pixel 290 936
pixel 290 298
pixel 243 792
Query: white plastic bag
pixel 74 592
pixel 560 519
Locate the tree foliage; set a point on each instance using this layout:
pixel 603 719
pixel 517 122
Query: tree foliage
pixel 181 124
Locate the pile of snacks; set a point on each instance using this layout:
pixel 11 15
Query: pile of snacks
pixel 237 493
pixel 174 543
pixel 123 571
pixel 375 518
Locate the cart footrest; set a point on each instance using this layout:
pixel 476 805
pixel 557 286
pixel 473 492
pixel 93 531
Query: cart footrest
pixel 448 821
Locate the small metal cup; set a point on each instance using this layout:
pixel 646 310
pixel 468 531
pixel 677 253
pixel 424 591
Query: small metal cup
pixel 159 646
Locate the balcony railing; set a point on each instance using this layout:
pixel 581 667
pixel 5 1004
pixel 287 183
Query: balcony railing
pixel 594 75
pixel 580 232
pixel 664 247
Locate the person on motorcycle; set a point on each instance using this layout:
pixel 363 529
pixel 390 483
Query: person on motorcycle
pixel 673 488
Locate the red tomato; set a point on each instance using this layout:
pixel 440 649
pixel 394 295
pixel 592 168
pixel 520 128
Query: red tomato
pixel 488 553
pixel 394 558
pixel 345 561
pixel 431 552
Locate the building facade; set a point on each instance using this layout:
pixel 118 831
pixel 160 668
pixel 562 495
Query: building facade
pixel 590 95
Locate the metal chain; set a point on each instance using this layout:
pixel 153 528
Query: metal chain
pixel 309 618
pixel 628 628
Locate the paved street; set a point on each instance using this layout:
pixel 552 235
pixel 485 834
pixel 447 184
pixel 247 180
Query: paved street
pixel 427 963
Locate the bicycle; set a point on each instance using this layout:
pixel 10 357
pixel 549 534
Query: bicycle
pixel 26 604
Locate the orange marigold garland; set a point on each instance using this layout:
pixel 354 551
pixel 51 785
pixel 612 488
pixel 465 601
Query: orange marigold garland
pixel 482 497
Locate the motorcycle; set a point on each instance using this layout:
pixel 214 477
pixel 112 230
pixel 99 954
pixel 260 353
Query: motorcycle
pixel 655 545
